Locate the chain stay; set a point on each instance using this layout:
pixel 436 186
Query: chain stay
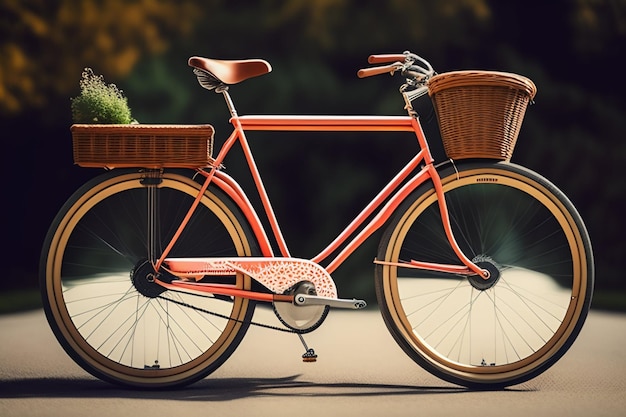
pixel 223 316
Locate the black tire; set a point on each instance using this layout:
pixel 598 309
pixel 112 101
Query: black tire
pixel 124 330
pixel 507 330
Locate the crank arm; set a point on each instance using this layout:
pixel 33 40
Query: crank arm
pixel 310 300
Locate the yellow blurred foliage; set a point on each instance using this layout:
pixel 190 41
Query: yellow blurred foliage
pixel 44 45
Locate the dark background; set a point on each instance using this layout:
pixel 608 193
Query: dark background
pixel 573 135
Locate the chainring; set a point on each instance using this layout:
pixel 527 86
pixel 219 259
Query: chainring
pixel 302 319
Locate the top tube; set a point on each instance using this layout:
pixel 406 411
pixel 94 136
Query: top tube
pixel 328 123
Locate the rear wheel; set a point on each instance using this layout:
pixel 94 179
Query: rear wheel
pixel 513 326
pixel 98 296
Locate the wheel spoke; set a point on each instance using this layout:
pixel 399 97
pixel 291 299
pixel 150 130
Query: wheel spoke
pixel 119 324
pixel 515 324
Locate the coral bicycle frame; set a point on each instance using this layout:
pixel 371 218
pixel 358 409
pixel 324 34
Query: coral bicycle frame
pixel 381 207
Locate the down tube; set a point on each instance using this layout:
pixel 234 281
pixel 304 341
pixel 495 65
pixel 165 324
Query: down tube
pixel 380 218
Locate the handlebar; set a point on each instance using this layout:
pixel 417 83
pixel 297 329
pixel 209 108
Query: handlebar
pixel 415 68
pixel 379 59
pixel 369 72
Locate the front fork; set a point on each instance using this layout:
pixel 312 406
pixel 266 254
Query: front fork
pixel 445 218
pixel 468 267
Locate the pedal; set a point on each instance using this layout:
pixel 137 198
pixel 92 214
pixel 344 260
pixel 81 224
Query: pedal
pixel 310 300
pixel 309 356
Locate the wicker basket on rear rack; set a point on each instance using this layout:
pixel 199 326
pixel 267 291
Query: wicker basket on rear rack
pixel 145 146
pixel 480 113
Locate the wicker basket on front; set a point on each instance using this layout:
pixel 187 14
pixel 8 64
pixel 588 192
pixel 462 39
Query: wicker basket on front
pixel 145 146
pixel 480 113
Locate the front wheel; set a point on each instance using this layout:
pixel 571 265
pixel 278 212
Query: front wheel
pixel 96 287
pixel 497 332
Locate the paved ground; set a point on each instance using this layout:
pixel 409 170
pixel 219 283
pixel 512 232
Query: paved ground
pixel 360 372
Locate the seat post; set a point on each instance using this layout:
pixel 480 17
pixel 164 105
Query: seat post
pixel 223 89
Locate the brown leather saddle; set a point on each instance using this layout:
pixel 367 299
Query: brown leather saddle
pixel 218 72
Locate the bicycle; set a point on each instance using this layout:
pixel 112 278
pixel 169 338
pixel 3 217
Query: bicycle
pixel 151 271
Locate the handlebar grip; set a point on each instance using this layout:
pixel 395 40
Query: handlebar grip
pixel 379 59
pixel 368 72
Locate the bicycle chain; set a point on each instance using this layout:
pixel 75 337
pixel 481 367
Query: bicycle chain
pixel 223 316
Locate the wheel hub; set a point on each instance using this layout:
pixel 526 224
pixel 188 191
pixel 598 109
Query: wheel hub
pixel 142 277
pixel 488 264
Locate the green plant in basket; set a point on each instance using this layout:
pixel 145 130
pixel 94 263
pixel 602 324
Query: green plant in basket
pixel 99 102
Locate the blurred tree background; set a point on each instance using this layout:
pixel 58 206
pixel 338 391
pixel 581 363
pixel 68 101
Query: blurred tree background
pixel 573 135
